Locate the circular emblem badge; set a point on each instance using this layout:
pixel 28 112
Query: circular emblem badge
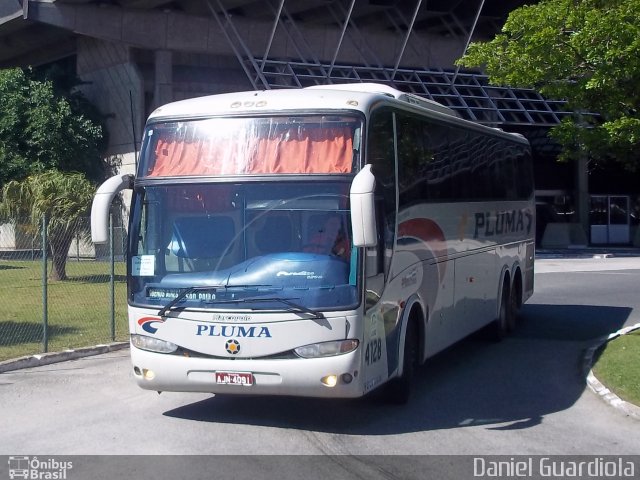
pixel 232 346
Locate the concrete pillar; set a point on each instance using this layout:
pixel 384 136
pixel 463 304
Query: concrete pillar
pixel 163 87
pixel 582 193
pixel 116 86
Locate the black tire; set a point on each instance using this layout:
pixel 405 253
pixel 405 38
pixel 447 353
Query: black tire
pixel 500 326
pixel 514 306
pixel 398 390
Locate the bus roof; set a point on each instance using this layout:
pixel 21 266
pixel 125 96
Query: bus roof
pixel 353 96
pixel 349 96
pixel 378 88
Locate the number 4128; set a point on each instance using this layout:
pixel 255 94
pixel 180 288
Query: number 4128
pixel 373 353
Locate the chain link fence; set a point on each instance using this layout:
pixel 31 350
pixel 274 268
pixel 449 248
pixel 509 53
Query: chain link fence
pixel 67 295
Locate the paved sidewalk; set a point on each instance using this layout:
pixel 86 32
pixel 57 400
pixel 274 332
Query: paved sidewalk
pixel 587 259
pixel 588 252
pixel 40 359
pixel 594 264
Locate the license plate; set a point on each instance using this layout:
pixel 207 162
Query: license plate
pixel 234 378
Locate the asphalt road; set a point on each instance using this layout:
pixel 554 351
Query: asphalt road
pixel 523 396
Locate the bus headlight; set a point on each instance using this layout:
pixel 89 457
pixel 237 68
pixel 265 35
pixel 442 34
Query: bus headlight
pixel 152 344
pixel 327 349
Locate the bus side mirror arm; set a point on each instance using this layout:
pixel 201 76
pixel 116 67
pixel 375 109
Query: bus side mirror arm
pixel 363 209
pixel 102 204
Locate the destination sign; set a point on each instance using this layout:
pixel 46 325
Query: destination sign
pixel 171 293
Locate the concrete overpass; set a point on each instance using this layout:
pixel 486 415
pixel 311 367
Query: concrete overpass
pixel 138 54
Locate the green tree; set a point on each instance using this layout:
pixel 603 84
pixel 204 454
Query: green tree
pixel 63 197
pixel 586 52
pixel 43 128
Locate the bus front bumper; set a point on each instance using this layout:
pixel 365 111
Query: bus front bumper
pixel 305 377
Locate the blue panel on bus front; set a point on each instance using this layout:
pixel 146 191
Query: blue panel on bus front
pixel 280 270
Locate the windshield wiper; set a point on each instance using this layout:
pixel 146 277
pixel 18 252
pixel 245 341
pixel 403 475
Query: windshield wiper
pixel 294 307
pixel 183 294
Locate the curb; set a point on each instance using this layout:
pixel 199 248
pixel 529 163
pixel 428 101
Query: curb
pixel 57 357
pixel 597 387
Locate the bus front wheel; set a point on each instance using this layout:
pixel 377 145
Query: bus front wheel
pixel 398 390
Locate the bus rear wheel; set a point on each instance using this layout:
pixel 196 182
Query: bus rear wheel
pixel 514 304
pixel 501 325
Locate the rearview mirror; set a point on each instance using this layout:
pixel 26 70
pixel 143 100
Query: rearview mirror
pixel 102 204
pixel 363 210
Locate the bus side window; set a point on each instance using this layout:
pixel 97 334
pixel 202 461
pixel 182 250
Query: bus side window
pixel 381 155
pixel 423 161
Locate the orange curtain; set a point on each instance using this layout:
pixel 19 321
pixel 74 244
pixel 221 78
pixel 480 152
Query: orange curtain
pixel 317 150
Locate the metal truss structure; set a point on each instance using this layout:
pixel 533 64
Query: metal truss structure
pixel 296 43
pixel 469 94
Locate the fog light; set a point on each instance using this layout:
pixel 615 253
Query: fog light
pixel 148 374
pixel 137 371
pixel 330 380
pixel 346 377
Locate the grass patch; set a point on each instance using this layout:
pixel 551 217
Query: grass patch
pixel 618 367
pixel 78 308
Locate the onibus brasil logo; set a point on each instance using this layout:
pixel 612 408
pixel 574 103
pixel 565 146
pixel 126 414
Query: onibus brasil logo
pixel 35 468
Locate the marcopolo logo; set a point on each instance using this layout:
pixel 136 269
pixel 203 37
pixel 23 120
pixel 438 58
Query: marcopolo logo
pixel 35 468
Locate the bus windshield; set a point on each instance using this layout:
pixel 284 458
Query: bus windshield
pixel 255 245
pixel 299 144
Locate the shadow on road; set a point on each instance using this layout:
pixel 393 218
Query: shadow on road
pixel 505 386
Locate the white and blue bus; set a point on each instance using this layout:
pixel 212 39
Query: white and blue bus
pixel 318 242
